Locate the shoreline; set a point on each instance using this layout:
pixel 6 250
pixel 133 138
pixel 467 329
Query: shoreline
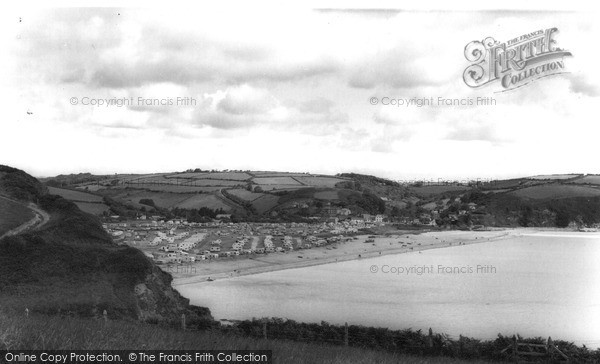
pixel 500 239
pixel 343 252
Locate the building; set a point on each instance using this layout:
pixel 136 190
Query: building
pixel 344 211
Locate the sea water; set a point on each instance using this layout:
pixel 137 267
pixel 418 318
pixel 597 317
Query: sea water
pixel 538 284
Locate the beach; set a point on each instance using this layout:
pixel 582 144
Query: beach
pixel 538 284
pixel 402 242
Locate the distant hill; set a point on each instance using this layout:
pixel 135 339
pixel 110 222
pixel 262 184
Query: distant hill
pixel 544 200
pixel 71 265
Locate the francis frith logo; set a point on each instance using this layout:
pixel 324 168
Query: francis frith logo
pixel 516 62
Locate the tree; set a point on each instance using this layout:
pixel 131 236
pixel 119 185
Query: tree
pixel 526 214
pixel 562 218
pixel 147 202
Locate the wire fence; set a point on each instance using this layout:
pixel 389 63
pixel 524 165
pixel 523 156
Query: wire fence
pixel 407 341
pixel 420 343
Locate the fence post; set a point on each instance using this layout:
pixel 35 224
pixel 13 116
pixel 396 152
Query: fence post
pixel 346 334
pixel 265 329
pixel 105 316
pixel 515 349
pixel 430 339
pixel 183 321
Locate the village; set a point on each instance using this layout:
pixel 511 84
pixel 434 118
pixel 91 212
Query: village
pixel 179 242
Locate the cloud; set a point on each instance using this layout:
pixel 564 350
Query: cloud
pixel 120 125
pixel 100 49
pixel 261 84
pixel 316 105
pixel 117 74
pixel 472 132
pixel 374 12
pixel 247 100
pixel 272 71
pixel 391 70
pixel 580 84
pixel 246 106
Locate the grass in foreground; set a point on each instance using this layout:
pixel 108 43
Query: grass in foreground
pixel 39 332
pixel 12 215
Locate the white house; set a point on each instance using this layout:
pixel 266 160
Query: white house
pixel 379 218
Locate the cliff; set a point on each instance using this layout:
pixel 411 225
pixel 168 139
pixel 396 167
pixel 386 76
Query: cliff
pixel 71 266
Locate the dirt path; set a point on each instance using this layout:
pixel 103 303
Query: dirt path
pixel 40 219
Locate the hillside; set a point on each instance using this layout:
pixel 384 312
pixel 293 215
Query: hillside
pixel 12 215
pixel 18 185
pixel 548 200
pixel 70 265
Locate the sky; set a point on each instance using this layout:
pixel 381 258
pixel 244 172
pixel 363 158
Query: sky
pixel 289 89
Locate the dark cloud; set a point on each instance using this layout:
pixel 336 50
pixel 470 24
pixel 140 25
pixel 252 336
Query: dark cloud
pixel 245 106
pixel 119 74
pixel 99 49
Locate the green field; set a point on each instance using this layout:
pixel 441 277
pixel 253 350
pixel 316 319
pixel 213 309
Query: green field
pixel 277 174
pixel 12 215
pixel 282 187
pixel 498 191
pixel 325 182
pixel 265 203
pixel 276 181
pixel 74 195
pixel 554 176
pixel 159 181
pixel 167 188
pixel 245 194
pixel 590 179
pixel 556 191
pixel 505 184
pixel 327 195
pixel 203 200
pixel 237 176
pixel 92 208
pixel 92 187
pixel 436 190
pixel 161 199
pixel 87 202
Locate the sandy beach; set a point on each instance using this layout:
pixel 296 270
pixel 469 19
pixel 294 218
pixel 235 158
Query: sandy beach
pixel 403 242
